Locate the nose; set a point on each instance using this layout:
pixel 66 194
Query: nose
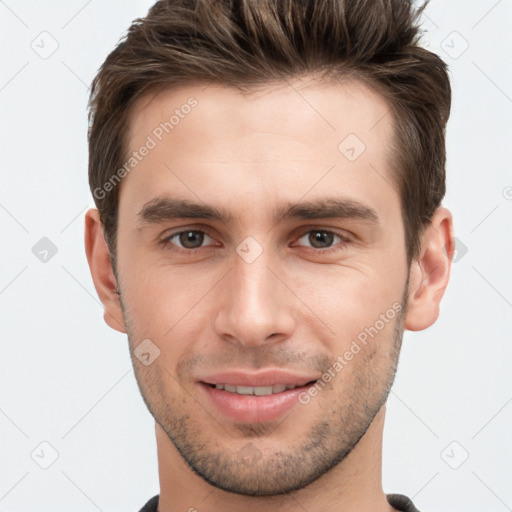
pixel 255 306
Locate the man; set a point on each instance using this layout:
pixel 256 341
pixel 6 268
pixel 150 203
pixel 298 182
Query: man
pixel 268 178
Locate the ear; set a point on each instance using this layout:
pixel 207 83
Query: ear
pixel 430 272
pixel 102 274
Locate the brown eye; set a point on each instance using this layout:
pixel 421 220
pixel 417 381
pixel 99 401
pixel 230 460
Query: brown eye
pixel 188 239
pixel 191 239
pixel 321 239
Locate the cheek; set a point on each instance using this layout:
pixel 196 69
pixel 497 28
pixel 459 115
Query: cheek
pixel 167 307
pixel 350 299
pixel 161 295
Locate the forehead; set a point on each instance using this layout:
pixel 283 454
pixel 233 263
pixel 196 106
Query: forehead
pixel 281 139
pixel 322 109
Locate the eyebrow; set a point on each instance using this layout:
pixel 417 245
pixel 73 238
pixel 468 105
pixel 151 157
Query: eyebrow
pixel 161 209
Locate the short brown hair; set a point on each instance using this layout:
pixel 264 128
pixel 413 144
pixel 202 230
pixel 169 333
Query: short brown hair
pixel 249 43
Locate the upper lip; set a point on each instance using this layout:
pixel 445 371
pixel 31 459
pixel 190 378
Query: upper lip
pixel 258 379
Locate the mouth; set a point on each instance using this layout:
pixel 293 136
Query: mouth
pixel 254 398
pixel 258 390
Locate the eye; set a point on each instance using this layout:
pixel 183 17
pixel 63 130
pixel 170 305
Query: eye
pixel 322 240
pixel 189 239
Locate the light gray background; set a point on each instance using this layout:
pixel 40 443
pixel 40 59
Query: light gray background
pixel 66 377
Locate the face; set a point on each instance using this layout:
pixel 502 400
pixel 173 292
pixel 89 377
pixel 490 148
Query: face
pixel 261 247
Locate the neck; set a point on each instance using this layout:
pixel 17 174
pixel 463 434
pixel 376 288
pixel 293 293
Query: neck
pixel 354 484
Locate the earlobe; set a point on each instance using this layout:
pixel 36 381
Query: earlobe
pixel 102 274
pixel 430 273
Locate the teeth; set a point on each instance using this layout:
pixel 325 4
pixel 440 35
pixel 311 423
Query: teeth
pixel 244 390
pixel 263 390
pixel 258 391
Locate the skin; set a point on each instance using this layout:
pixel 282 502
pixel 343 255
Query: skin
pixel 290 308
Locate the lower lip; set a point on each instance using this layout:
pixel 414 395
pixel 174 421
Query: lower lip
pixel 252 408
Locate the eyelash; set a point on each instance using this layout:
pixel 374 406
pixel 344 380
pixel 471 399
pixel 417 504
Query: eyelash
pixel 344 241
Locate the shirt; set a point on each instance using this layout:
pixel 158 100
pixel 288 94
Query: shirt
pixel 398 501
